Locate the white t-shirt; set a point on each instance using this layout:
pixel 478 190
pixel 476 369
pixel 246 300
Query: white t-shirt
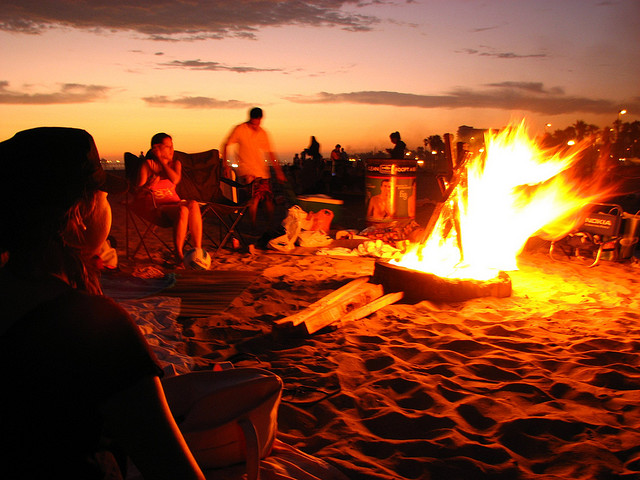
pixel 252 143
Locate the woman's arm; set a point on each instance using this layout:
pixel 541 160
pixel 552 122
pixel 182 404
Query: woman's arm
pixel 173 170
pixel 143 173
pixel 139 419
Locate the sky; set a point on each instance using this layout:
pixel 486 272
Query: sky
pixel 347 72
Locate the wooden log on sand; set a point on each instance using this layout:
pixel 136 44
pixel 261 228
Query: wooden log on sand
pixel 337 310
pixel 335 296
pixel 374 306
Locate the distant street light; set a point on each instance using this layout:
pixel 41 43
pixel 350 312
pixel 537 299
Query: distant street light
pixel 619 122
pixel 621 112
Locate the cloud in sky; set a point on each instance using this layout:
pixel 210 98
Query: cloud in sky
pixel 489 52
pixel 193 102
pixel 527 96
pixel 179 19
pixel 215 66
pixel 66 93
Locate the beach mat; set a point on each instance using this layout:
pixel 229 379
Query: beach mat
pixel 121 286
pixel 204 293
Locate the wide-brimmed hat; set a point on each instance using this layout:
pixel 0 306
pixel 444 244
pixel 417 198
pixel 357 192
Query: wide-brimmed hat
pixel 53 165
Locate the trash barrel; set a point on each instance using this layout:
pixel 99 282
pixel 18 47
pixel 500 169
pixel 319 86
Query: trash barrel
pixel 390 188
pixel 631 225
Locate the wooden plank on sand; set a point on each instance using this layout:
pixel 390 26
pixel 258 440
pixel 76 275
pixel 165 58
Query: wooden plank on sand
pixel 299 317
pixel 339 309
pixel 374 306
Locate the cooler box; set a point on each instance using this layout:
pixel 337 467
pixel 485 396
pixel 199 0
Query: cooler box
pixel 315 203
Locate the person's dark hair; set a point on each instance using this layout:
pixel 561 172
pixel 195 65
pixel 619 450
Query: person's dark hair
pixel 255 112
pixel 395 135
pixel 159 138
pixel 50 176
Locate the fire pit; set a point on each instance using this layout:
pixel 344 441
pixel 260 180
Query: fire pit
pixel 492 204
pixel 418 286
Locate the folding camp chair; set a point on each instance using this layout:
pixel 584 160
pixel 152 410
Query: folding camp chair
pixel 599 235
pixel 202 180
pixel 141 226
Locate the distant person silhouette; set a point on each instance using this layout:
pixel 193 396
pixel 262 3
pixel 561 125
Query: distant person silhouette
pixel 335 154
pixel 314 149
pixel 399 146
pixel 312 168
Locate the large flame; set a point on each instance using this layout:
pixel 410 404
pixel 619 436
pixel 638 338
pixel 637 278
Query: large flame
pixel 510 192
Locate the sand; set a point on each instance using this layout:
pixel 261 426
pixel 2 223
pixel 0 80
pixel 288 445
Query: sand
pixel 544 384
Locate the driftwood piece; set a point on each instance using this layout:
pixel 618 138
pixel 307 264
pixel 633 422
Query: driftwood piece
pixel 339 309
pixel 335 296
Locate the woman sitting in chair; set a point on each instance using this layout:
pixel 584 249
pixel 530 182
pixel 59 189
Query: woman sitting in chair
pixel 157 200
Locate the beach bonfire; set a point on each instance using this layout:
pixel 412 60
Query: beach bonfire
pixel 496 200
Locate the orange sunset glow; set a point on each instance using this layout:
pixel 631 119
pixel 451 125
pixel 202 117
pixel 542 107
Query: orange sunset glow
pixel 346 72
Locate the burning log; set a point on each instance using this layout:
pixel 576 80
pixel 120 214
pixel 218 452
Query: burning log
pixel 418 285
pixel 456 176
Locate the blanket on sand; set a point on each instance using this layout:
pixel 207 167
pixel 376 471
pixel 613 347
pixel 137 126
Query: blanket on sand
pixel 157 318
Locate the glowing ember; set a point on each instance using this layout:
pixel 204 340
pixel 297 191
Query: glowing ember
pixel 512 191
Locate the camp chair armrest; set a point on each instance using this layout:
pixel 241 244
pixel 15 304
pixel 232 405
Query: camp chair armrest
pixel 233 183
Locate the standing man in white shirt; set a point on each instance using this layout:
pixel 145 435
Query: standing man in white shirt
pixel 252 146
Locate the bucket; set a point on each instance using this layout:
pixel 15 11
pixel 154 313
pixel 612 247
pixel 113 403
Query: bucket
pixel 390 187
pixel 314 203
pixel 630 234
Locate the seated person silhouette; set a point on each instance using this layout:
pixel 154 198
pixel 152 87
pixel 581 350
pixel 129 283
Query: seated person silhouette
pixel 83 392
pixel 157 201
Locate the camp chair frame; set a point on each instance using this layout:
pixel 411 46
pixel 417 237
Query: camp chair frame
pixel 227 215
pixel 202 180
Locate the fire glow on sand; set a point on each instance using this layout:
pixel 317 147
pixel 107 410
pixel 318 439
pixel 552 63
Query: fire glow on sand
pixel 498 200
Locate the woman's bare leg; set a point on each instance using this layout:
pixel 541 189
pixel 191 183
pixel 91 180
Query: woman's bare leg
pixel 180 231
pixel 195 223
pixel 179 216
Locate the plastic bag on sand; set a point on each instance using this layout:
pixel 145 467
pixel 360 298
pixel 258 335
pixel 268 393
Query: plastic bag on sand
pixel 297 219
pixel 282 243
pixel 303 228
pixel 314 238
pixel 293 225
